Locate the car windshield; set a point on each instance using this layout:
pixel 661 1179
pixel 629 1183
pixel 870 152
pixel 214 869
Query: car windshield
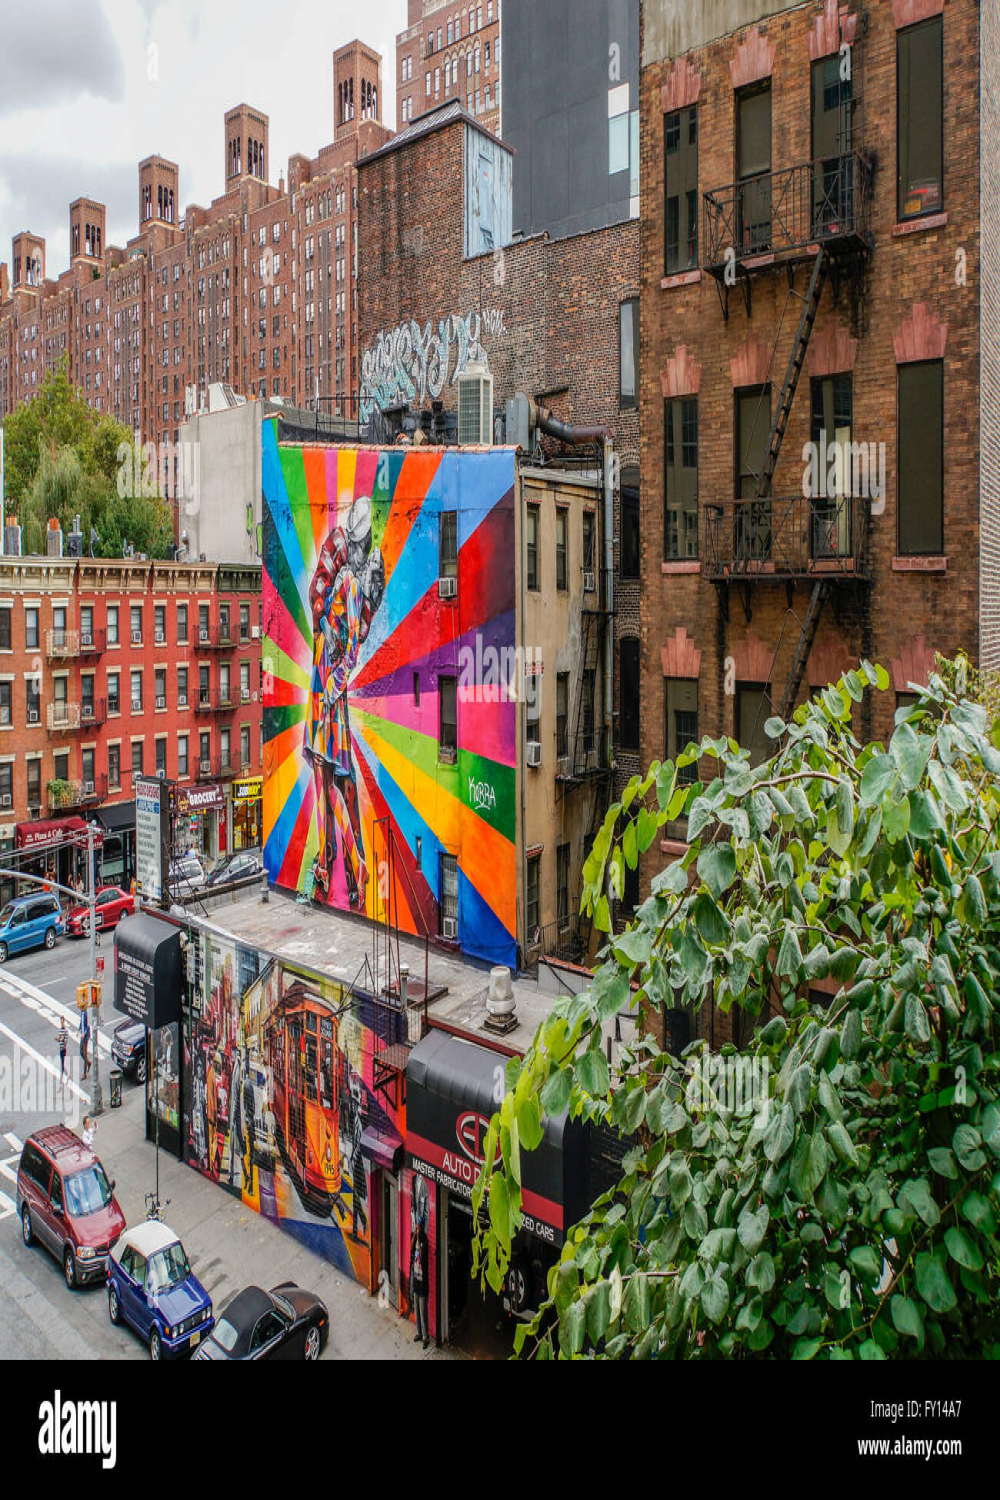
pixel 7 913
pixel 87 1192
pixel 167 1268
pixel 226 1335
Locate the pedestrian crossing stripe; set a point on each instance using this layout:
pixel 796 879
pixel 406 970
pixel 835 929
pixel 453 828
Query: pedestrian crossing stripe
pixel 7 1207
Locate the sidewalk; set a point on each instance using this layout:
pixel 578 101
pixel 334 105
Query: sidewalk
pixel 231 1246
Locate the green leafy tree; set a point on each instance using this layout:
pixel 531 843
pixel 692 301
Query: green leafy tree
pixel 844 1202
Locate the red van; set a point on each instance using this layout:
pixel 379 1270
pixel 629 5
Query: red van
pixel 66 1201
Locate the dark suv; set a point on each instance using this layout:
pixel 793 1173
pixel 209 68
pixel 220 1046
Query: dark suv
pixel 65 1200
pixel 128 1049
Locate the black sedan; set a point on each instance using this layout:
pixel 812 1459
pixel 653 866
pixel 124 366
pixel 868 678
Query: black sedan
pixel 128 1049
pixel 284 1323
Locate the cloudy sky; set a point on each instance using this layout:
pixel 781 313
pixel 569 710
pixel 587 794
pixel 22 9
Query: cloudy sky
pixel 88 88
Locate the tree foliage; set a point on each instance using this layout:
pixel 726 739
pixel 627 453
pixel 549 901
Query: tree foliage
pixel 62 461
pixel 834 1190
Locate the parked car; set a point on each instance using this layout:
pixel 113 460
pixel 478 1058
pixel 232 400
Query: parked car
pixel 239 866
pixel 28 923
pixel 67 1203
pixel 111 903
pixel 152 1288
pixel 285 1323
pixel 187 875
pixel 128 1049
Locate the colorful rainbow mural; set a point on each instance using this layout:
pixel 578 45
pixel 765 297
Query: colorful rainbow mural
pixel 352 684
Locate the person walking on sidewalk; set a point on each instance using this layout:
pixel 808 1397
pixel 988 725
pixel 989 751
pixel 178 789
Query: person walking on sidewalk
pixel 63 1040
pixel 85 1044
pixel 418 1280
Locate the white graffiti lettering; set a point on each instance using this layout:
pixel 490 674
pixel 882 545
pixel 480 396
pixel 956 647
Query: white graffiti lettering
pixel 408 363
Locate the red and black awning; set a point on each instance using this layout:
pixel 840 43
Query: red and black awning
pixel 54 833
pixel 452 1090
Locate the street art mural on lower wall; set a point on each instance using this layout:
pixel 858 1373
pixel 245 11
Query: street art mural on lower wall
pixel 390 733
pixel 280 1089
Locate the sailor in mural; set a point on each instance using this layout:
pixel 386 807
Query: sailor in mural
pixel 347 589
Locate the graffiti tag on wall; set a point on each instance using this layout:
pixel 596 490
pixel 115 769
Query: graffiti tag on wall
pixel 408 364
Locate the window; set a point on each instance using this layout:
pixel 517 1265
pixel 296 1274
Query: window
pixel 681 727
pixel 830 506
pixel 629 352
pixel 245 745
pixel 33 703
pixel 6 692
pixel 681 156
pixel 244 622
pixel 533 732
pixel 244 682
pixel 753 153
pixel 114 705
pixel 562 885
pixel 136 758
pixel 562 520
pixel 87 767
pixel 589 560
pixel 205 750
pixel 161 757
pixel 448 549
pixel 562 715
pixel 87 695
pixel 753 426
pixel 182 624
pixel 680 483
pixel 160 623
pixel 135 615
pixel 448 732
pixel 60 764
pixel 114 766
pixel 919 119
pixel 531 898
pixel 753 709
pixel 224 623
pixel 587 711
pixel 630 524
pixel 204 686
pixel 182 687
pixel 203 623
pixel 449 889
pixel 86 625
pixel 629 688
pixel 832 133
pixel 532 546
pixel 31 629
pixel 921 459
pixel 182 755
pixel 136 677
pixel 112 624
pixel 5 630
pixel 35 783
pixel 161 687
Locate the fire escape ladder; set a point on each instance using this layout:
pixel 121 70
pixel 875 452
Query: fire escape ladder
pixel 810 625
pixel 585 741
pixel 796 361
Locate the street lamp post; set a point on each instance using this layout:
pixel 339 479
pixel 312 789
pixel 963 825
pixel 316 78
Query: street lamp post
pixel 96 1096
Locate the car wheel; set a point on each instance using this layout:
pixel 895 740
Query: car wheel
pixel 155 1346
pixel 69 1266
pixel 27 1232
pixel 140 1070
pixel 3 953
pixel 114 1306
pixel 312 1344
pixel 50 937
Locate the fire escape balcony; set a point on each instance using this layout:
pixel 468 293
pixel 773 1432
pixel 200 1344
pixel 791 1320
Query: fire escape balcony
pixel 65 645
pixel 781 540
pixel 216 638
pixel 62 717
pixel 220 701
pixel 783 218
pixel 216 768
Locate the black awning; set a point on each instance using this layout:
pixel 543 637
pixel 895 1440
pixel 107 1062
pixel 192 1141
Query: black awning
pixel 148 970
pixel 118 817
pixel 452 1092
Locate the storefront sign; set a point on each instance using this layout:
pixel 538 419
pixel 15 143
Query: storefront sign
pixel 249 790
pixel 152 837
pixel 148 970
pixel 196 799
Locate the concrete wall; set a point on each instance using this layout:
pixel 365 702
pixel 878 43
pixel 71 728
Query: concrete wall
pixel 222 519
pixel 672 27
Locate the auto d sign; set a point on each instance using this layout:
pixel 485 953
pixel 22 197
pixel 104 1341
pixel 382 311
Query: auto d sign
pixel 471 1130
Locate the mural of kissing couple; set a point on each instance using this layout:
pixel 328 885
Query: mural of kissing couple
pixel 376 742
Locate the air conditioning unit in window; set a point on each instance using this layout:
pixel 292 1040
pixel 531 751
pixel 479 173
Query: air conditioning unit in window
pixel 32 715
pixel 589 582
pixel 244 695
pixel 137 705
pixel 203 635
pixel 88 788
pixel 534 753
pixel 161 639
pixel 161 702
pixel 449 928
pixel 161 772
pixel 6 800
pixel 182 701
pixel 137 637
pixel 87 711
pixel 206 766
pixel 86 639
pixel 255 633
pixel 475 406
pixel 448 588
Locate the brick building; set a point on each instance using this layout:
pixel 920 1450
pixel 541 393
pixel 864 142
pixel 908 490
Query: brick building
pixel 556 319
pixel 114 669
pixel 257 291
pixel 811 285
pixel 448 52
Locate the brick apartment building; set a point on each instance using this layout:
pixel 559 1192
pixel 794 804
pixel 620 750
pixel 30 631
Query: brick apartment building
pixel 447 52
pixel 257 291
pixel 814 272
pixel 113 669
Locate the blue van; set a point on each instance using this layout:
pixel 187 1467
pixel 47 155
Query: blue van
pixel 29 922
